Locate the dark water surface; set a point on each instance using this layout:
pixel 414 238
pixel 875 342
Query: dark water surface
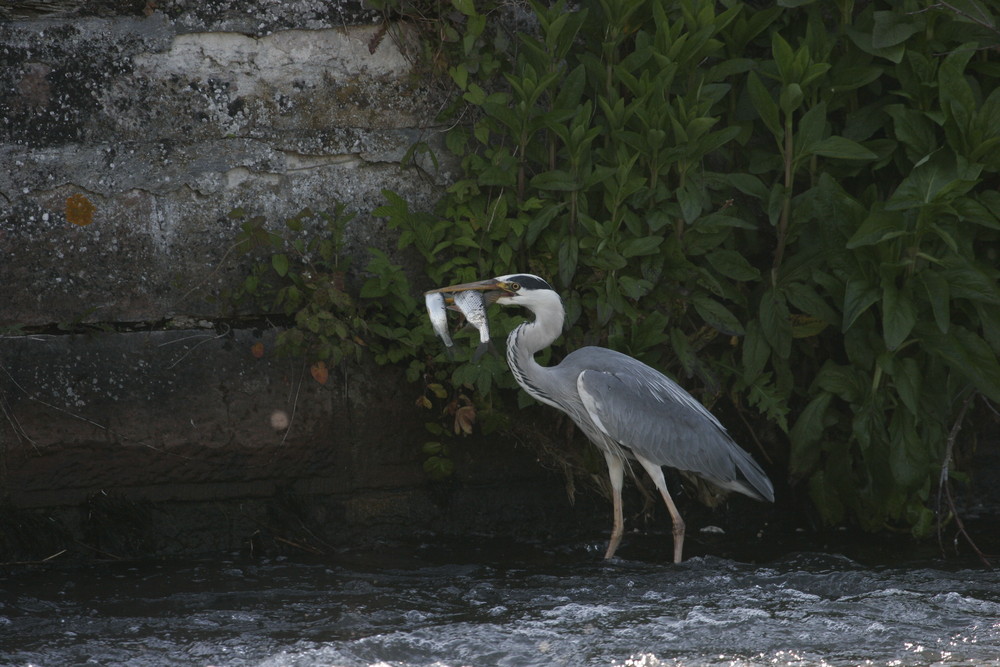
pixel 441 607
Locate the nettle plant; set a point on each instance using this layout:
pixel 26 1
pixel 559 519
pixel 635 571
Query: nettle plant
pixel 791 209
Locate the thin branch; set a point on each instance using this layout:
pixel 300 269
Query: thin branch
pixel 207 337
pixel 35 562
pixel 70 413
pixel 944 486
pixel 295 405
pixel 218 267
pixel 982 20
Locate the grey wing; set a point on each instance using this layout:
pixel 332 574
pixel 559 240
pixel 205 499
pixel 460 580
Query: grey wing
pixel 651 415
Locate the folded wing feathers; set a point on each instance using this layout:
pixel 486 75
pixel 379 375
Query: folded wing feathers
pixel 646 412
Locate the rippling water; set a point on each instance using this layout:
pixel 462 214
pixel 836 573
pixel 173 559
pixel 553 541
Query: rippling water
pixel 441 608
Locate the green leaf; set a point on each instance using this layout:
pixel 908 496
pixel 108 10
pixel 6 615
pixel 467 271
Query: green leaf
pixel 880 225
pixel 748 184
pixel 646 245
pixel 690 199
pixel 968 281
pixel 805 297
pixel 859 295
pixel 682 348
pixel 842 148
pixel 845 382
pixel 756 352
pixel 775 322
pixel 898 314
pixel 907 379
pixel 280 264
pixel 956 93
pixel 569 252
pixel 892 28
pixel 732 265
pixel 823 492
pixel 439 467
pixel 769 400
pixel 716 315
pixel 765 105
pixel 467 7
pixel 460 75
pixel 941 178
pixel 784 58
pixel 864 41
pixel 969 355
pixel 791 98
pixel 913 128
pixel 804 454
pixel 812 125
pixel 938 294
pixel 555 179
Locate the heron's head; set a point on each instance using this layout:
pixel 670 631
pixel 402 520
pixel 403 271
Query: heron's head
pixel 516 289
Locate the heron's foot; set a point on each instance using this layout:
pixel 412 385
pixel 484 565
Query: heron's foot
pixel 616 539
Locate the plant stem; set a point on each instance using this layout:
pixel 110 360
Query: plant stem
pixel 786 207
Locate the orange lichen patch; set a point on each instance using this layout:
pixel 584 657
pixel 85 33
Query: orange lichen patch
pixel 80 210
pixel 257 349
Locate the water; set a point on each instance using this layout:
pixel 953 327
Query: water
pixel 442 606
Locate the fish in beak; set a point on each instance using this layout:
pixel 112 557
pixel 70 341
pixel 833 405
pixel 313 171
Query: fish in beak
pixel 470 299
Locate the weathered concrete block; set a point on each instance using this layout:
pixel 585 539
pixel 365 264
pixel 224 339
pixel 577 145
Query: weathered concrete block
pixel 180 441
pixel 127 141
pixel 156 133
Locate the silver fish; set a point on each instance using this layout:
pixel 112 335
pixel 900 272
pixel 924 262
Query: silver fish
pixel 439 317
pixel 472 304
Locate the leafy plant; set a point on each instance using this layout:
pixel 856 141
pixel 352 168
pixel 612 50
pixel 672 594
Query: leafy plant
pixel 301 276
pixel 787 209
pixel 791 209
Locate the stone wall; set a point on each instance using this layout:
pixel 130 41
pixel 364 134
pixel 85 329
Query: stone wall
pixel 146 131
pixel 135 418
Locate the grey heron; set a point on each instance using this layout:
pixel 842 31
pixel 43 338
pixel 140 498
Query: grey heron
pixel 629 410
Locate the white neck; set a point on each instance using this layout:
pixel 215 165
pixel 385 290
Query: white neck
pixel 532 337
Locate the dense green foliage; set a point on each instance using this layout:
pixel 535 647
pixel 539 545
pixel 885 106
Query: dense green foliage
pixel 792 209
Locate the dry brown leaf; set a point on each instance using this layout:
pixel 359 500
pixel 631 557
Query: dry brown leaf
pixel 465 417
pixel 320 372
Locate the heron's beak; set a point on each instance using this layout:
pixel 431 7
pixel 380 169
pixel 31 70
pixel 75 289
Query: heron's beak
pixel 482 285
pixel 492 288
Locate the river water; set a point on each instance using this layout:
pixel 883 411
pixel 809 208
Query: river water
pixel 445 606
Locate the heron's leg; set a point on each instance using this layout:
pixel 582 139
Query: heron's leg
pixel 616 473
pixel 656 473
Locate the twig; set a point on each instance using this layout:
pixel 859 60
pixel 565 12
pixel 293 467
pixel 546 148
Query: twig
pixel 944 487
pixel 102 552
pixel 57 408
pixel 295 405
pixel 303 547
pixel 982 20
pixel 35 562
pixel 12 419
pixel 217 268
pixel 191 349
pixel 73 415
pixel 753 434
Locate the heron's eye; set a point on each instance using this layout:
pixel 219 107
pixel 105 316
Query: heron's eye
pixel 514 287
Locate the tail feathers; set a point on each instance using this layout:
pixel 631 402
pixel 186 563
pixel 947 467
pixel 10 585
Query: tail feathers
pixel 749 479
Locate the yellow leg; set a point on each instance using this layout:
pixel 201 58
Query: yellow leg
pixel 616 473
pixel 656 473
